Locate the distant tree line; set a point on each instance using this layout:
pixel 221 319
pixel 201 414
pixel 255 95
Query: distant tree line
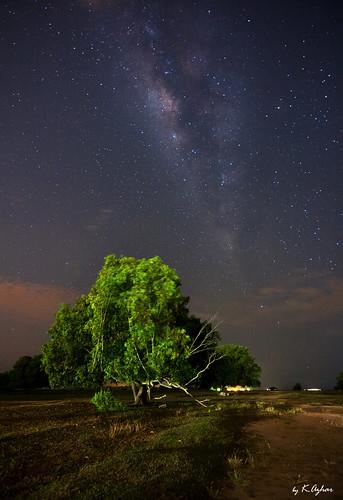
pixel 339 380
pixel 27 373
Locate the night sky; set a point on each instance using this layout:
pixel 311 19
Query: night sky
pixel 206 132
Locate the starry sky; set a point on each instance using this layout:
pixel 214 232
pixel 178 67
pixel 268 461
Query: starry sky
pixel 206 132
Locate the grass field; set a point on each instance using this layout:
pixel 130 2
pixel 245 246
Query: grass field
pixel 56 445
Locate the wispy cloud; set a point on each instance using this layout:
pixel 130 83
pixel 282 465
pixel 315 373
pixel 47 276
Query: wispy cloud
pixel 32 302
pixel 288 305
pixel 99 220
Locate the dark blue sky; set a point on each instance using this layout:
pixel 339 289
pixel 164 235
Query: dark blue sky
pixel 206 132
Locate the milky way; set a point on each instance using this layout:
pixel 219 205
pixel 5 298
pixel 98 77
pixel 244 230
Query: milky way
pixel 209 133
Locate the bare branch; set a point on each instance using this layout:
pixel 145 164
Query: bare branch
pixel 168 384
pixel 206 343
pixel 212 359
pixel 210 348
pixel 199 333
pixel 198 346
pixel 173 385
pixel 160 397
pixel 206 323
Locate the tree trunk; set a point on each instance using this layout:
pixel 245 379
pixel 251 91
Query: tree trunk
pixel 140 395
pixel 133 386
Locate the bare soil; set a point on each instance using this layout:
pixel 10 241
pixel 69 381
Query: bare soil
pixel 298 456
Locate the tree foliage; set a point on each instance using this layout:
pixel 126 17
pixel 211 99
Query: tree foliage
pixel 27 373
pixel 236 367
pixel 67 355
pixel 339 380
pixel 134 333
pixel 4 381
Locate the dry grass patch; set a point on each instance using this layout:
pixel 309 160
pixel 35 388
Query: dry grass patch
pixel 124 428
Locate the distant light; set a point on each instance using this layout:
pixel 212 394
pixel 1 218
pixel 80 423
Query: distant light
pixel 237 388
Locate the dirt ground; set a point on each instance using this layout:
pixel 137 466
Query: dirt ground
pixel 296 457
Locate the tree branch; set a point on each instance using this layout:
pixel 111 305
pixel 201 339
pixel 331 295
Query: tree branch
pixel 206 323
pixel 206 343
pixel 197 346
pixel 173 385
pixel 212 359
pixel 141 362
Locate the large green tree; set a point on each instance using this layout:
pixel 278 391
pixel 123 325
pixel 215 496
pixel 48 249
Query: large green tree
pixel 132 329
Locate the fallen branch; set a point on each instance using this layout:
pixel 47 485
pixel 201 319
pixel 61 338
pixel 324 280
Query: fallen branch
pixel 173 385
pixel 160 397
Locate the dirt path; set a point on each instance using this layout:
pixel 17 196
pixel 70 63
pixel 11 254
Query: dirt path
pixel 296 457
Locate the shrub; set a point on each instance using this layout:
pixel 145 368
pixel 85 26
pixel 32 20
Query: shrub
pixel 104 401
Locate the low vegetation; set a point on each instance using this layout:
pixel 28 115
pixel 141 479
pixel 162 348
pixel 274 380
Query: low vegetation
pixel 104 400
